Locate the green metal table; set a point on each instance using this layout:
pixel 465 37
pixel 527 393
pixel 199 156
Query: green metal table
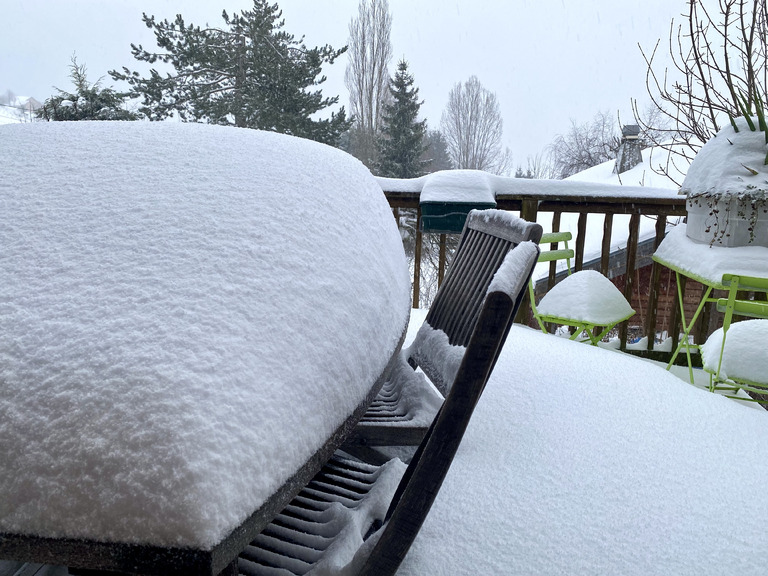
pixel 705 264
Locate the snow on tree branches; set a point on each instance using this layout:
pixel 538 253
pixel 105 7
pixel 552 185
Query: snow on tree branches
pixel 250 73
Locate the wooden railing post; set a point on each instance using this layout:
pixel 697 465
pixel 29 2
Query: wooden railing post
pixel 417 261
pixel 553 264
pixel 653 288
pixel 605 249
pixel 528 211
pixel 682 281
pixel 581 237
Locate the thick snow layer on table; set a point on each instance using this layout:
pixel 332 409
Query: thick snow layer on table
pixel 745 355
pixel 587 296
pixel 187 312
pixel 465 186
pixel 730 163
pixel 699 259
pixel 583 461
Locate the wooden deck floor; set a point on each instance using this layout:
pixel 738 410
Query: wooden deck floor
pixel 11 568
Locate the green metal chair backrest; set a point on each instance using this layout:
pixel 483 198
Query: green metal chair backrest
pixel 555 253
pixel 733 305
pixel 552 255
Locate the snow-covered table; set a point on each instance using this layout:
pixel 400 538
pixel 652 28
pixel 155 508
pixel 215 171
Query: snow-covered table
pixel 191 317
pixel 705 264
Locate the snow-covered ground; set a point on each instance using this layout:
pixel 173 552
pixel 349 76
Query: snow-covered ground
pixel 187 312
pixel 18 109
pixel 584 461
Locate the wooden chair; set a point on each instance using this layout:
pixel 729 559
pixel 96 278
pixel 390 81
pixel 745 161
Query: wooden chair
pixel 585 300
pixel 407 404
pixel 734 355
pixel 355 506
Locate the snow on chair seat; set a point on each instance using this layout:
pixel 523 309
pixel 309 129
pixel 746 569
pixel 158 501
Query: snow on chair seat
pixel 742 359
pixel 734 355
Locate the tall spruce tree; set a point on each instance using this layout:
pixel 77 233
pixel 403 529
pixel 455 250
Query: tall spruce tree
pixel 250 74
pixel 402 143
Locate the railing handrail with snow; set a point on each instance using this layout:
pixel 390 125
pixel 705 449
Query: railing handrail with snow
pixel 655 208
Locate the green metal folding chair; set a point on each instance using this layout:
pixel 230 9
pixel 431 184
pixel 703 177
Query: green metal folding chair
pixel 734 355
pixel 585 300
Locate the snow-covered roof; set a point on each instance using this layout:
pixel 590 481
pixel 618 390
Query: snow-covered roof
pixel 646 174
pixel 187 312
pixel 18 109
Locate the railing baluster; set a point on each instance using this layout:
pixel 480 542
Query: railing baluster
pixel 441 264
pixel 581 236
pixel 629 274
pixel 605 251
pixel 529 210
pixel 553 265
pixel 417 261
pixel 654 288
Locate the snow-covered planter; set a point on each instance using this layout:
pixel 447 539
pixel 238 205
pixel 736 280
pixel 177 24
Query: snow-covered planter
pixel 448 197
pixel 727 189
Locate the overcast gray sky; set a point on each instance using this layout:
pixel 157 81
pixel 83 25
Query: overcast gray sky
pixel 548 61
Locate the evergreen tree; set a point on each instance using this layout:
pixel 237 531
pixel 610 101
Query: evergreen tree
pixel 88 102
pixel 436 152
pixel 402 141
pixel 250 74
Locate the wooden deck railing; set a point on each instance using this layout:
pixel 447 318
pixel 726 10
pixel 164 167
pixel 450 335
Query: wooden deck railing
pixel 644 283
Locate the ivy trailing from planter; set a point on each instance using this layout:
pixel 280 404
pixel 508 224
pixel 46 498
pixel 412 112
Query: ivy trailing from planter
pixel 749 204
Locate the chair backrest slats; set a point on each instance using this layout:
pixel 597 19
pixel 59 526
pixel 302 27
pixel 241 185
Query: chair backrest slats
pixel 487 238
pixel 446 306
pixel 455 309
pixel 494 257
pixel 748 283
pixel 734 304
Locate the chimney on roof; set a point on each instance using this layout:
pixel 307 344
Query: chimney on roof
pixel 629 154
